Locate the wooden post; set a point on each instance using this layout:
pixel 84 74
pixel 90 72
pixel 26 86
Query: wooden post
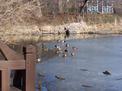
pixel 0 80
pixel 5 80
pixel 30 68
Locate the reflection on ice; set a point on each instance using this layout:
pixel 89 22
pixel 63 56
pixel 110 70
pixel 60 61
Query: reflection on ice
pixel 43 37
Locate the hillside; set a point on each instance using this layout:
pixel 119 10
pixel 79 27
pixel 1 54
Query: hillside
pixel 19 12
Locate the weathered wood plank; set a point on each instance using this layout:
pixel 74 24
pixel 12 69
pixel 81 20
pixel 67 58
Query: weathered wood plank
pixel 14 89
pixel 0 80
pixel 12 65
pixel 30 68
pixel 9 53
pixel 5 80
pixel 16 61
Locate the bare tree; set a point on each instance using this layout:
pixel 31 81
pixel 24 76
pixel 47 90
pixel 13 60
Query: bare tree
pixel 15 11
pixel 60 6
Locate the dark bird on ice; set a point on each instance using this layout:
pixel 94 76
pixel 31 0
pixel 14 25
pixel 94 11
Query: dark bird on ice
pixel 106 73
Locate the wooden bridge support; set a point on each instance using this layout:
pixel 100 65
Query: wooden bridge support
pixel 0 80
pixel 24 69
pixel 30 68
pixel 5 80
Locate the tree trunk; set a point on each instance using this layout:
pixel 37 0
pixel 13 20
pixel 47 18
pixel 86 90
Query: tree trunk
pixel 60 6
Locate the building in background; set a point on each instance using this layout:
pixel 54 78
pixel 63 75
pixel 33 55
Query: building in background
pixel 74 6
pixel 100 6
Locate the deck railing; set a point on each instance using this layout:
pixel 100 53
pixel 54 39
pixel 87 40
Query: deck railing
pixel 22 65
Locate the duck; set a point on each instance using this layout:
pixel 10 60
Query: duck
pixel 57 52
pixel 39 84
pixel 46 49
pixel 59 77
pixel 39 60
pixel 58 41
pixel 65 50
pixel 72 54
pixel 56 46
pixel 59 48
pixel 64 55
pixel 106 72
pixel 67 45
pixel 63 41
pixel 74 48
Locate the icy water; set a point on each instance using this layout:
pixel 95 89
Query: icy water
pixel 84 70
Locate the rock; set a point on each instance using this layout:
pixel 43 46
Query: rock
pixel 106 73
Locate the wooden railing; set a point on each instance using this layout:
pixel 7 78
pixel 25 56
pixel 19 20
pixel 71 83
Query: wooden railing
pixel 22 65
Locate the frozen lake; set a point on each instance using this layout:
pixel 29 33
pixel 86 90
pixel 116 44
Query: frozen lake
pixel 84 70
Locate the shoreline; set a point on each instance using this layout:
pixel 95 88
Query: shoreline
pixel 47 37
pixel 84 25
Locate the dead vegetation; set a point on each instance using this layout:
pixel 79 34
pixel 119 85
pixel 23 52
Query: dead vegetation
pixel 28 16
pixel 13 12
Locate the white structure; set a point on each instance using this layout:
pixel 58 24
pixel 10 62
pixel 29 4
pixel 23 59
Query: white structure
pixel 99 6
